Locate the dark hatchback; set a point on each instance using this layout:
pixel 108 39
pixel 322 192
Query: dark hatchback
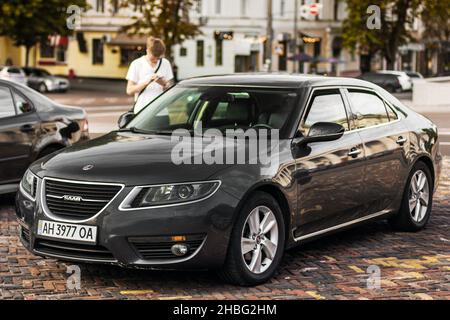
pixel 348 153
pixel 32 126
pixel 387 81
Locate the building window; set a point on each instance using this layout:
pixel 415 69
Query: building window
pixel 128 54
pixel 200 53
pixel 283 7
pixel 243 8
pixel 61 54
pixel 183 51
pixel 100 5
pixel 198 6
pixel 97 51
pixel 219 52
pixel 115 6
pixel 218 6
pixel 46 50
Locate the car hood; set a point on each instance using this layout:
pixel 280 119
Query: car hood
pixel 123 157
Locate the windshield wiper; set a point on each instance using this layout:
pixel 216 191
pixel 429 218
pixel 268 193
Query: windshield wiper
pixel 143 131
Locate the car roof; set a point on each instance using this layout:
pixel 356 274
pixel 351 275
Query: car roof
pixel 274 80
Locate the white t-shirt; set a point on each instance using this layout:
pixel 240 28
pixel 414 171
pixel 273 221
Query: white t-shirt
pixel 140 71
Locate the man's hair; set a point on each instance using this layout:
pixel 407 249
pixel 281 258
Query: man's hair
pixel 156 46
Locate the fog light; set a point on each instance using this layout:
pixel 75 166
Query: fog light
pixel 180 249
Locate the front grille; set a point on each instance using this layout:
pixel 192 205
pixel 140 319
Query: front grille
pixel 77 201
pixel 159 248
pixel 73 250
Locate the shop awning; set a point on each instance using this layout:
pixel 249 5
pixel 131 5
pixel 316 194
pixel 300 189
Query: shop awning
pixel 123 39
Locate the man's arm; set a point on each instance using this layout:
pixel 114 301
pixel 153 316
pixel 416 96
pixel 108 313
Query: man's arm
pixel 133 87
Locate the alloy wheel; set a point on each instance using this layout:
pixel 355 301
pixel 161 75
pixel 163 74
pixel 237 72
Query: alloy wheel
pixel 259 241
pixel 419 196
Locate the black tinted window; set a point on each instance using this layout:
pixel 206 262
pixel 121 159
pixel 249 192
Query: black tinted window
pixel 6 103
pixel 369 108
pixel 14 70
pixel 217 107
pixel 326 106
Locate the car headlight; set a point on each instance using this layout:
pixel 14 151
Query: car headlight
pixel 29 184
pixel 169 194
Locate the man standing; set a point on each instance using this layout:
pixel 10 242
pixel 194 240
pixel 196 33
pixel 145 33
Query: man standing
pixel 149 75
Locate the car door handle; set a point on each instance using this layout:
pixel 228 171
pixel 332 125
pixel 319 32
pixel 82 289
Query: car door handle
pixel 401 140
pixel 27 128
pixel 354 152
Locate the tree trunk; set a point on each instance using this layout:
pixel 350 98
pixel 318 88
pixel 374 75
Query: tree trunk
pixel 27 55
pixel 389 64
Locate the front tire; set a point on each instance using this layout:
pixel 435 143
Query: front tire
pixel 257 242
pixel 415 210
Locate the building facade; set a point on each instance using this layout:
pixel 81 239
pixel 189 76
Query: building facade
pixel 233 39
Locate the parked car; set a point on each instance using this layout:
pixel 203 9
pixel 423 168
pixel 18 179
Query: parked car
pixel 414 75
pixel 43 81
pixel 32 126
pixel 389 82
pixel 348 152
pixel 404 79
pixel 14 74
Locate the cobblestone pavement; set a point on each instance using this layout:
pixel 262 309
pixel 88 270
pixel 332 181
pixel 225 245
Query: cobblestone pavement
pixel 412 266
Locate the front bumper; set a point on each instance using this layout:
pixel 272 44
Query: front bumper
pixel 206 224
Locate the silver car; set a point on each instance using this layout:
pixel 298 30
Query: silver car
pixel 42 81
pixel 14 74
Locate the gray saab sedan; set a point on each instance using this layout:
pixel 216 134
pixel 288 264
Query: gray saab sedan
pixel 346 151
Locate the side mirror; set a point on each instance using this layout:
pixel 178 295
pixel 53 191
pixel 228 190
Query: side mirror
pixel 323 131
pixel 124 119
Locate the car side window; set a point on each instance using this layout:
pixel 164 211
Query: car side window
pixel 391 113
pixel 370 110
pixel 326 106
pixel 6 103
pixel 22 104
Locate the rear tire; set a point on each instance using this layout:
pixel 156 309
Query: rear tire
pixel 42 88
pixel 257 242
pixel 417 201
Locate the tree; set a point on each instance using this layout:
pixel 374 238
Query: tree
pixel 435 16
pixel 165 19
pixel 28 22
pixel 396 17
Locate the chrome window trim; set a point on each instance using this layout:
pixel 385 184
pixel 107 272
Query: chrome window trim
pixel 137 189
pixel 347 104
pixel 342 225
pixel 56 218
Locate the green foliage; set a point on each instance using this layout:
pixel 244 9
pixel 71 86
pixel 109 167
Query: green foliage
pixel 165 19
pixel 27 22
pixel 397 17
pixel 436 19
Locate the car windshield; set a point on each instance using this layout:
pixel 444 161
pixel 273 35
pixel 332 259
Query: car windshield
pixel 216 107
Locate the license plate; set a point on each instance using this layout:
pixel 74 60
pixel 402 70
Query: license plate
pixel 76 232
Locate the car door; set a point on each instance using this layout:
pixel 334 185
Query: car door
pixel 19 125
pixel 330 174
pixel 385 139
pixel 33 78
